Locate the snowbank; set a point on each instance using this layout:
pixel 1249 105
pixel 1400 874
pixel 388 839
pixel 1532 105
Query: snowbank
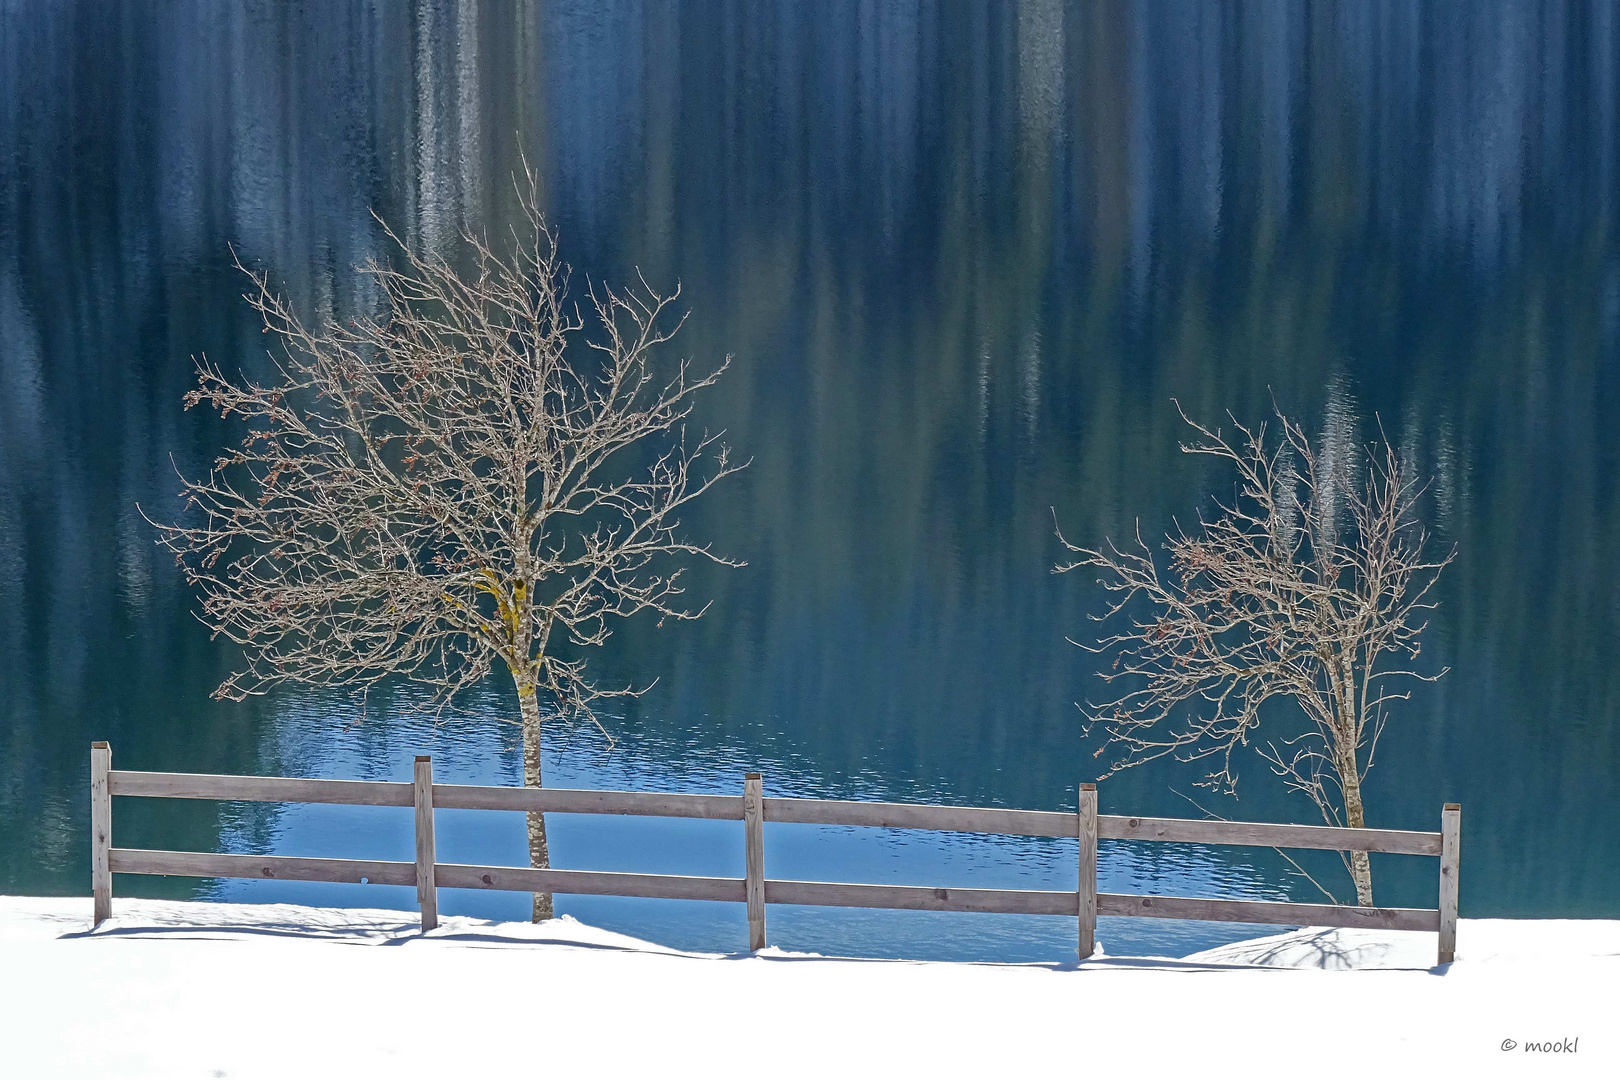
pixel 1487 941
pixel 170 989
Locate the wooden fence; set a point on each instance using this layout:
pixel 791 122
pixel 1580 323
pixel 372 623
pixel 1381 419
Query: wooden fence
pixel 754 889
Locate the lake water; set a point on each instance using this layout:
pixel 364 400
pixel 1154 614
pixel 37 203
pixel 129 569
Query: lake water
pixel 965 256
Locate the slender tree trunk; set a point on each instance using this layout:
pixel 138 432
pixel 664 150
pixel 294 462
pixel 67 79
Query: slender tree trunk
pixel 1356 817
pixel 539 855
pixel 1345 743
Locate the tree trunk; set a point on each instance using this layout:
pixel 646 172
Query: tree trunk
pixel 539 855
pixel 1356 817
pixel 1346 741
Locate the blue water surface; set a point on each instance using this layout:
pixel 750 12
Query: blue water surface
pixel 967 258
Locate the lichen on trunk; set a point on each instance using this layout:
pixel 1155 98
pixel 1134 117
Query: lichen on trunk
pixel 539 854
pixel 1355 816
pixel 1348 726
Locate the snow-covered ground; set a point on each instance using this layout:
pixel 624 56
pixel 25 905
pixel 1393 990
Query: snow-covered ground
pixel 179 990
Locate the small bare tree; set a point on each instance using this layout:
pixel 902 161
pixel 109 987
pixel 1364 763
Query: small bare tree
pixel 468 477
pixel 1309 584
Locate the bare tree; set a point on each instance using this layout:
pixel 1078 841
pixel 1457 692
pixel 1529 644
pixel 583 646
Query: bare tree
pixel 474 475
pixel 1309 584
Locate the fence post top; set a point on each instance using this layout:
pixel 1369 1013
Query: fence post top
pixel 1088 787
pixel 751 776
pixel 1452 808
pixel 424 757
pixel 100 746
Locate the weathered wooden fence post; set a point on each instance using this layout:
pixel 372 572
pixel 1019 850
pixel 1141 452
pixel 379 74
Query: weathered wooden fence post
pixel 100 831
pixel 1088 869
pixel 427 892
pixel 1450 864
pixel 754 860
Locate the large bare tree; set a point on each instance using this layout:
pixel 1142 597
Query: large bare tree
pixel 474 475
pixel 1310 584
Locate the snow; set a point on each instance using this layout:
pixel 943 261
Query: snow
pixel 1481 941
pixel 179 989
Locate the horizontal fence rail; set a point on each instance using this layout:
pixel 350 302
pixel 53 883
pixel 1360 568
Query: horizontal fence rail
pixel 273 867
pixel 798 811
pixel 1269 911
pixel 164 785
pixel 1263 834
pixel 753 889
